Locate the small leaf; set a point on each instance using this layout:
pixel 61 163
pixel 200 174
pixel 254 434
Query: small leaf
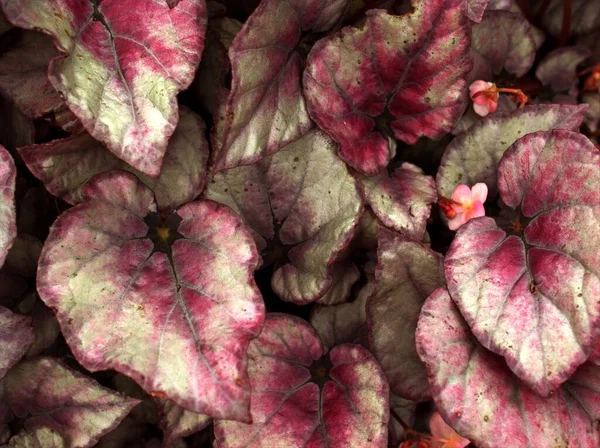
pixel 265 110
pixel 485 402
pixel 407 272
pixel 8 214
pixel 303 206
pixel 124 282
pixel 345 323
pixel 533 295
pixel 402 200
pixel 16 336
pixel 177 422
pixel 559 68
pixel 502 41
pixel 122 67
pixel 397 77
pixel 49 394
pixel 303 398
pixel 66 165
pixel 473 157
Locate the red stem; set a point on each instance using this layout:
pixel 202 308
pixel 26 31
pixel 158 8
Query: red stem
pixel 566 24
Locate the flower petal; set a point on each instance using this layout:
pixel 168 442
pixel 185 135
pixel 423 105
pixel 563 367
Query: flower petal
pixel 457 221
pixel 481 109
pixel 479 192
pixel 462 194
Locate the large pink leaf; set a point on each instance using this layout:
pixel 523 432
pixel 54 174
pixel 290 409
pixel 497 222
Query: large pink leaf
pixel 302 397
pixel 407 272
pixel 265 110
pixel 122 67
pixel 502 41
pixel 8 215
pixel 16 336
pixel 402 200
pixel 396 77
pixel 50 394
pixel 66 165
pixel 172 303
pixel 23 74
pixel 473 156
pixel 177 422
pixel 303 206
pixel 559 67
pixel 481 398
pixel 533 295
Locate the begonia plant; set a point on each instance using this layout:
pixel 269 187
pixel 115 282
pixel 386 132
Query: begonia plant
pixel 299 223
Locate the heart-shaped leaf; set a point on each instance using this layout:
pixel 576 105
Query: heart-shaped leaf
pixel 23 74
pixel 177 422
pixel 8 214
pixel 502 41
pixel 345 323
pixel 559 68
pixel 302 397
pixel 170 302
pixel 407 272
pixel 123 66
pixel 396 77
pixel 66 165
pixel 402 200
pixel 473 156
pixel 303 206
pixel 50 394
pixel 533 295
pixel 265 110
pixel 485 402
pixel 16 336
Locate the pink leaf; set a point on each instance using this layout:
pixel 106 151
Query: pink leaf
pixel 302 397
pixel 265 110
pixel 16 336
pixel 122 67
pixel 407 272
pixel 485 402
pixel 397 77
pixel 533 296
pixel 171 303
pixel 49 394
pixel 8 215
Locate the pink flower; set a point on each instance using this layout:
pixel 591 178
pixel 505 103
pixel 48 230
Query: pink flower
pixel 485 97
pixel 443 435
pixel 466 204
